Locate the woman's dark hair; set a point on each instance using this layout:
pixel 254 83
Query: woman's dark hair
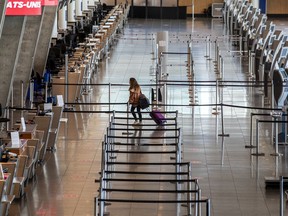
pixel 133 83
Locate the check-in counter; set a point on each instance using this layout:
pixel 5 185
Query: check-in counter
pixel 57 114
pixel 73 77
pixel 18 148
pixel 6 198
pixel 28 132
pixel 43 124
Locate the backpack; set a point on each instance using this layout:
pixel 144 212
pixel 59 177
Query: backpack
pixel 143 101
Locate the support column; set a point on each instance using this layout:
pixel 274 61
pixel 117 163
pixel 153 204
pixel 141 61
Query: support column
pixel 55 30
pixel 85 5
pixel 62 22
pixel 71 11
pixel 78 8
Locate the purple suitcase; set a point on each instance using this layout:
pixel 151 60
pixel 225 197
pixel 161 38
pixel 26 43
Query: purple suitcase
pixel 158 117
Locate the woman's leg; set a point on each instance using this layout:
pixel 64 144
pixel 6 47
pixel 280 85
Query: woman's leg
pixel 133 112
pixel 139 113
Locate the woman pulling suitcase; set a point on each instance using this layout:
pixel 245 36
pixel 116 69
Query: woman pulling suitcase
pixel 135 92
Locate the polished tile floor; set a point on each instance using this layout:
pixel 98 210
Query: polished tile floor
pixel 228 174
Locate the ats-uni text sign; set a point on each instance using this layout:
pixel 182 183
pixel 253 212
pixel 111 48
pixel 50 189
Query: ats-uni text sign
pixel 27 7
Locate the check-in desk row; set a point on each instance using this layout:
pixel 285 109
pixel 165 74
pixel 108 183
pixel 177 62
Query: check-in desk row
pixel 35 140
pixel 109 26
pixel 86 57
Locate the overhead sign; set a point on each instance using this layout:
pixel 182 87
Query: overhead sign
pixel 23 7
pixel 49 2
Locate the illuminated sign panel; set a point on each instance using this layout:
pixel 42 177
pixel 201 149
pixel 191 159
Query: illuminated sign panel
pixel 49 2
pixel 23 7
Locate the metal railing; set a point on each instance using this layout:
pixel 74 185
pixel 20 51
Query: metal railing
pixel 112 139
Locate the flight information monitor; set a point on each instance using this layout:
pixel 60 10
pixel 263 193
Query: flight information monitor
pixel 284 52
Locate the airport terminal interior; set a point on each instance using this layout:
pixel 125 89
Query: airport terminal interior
pixel 213 137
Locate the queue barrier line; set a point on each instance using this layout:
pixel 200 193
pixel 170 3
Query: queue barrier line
pixel 167 105
pixel 144 129
pixel 149 191
pixel 149 163
pixel 206 201
pixel 147 173
pixel 125 137
pixel 140 152
pixel 145 144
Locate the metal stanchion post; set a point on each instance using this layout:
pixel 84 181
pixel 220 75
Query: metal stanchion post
pixel 12 105
pixel 281 195
pixel 215 112
pixel 189 197
pixel 276 137
pixel 31 95
pixel 197 197
pixel 153 56
pixel 251 133
pixel 240 45
pixel 253 64
pixel 199 203
pixel 127 133
pixel 222 68
pixel 215 54
pixel 249 64
pixel 96 203
pixel 109 98
pixel 257 136
pixel 66 80
pixel 209 50
pixel 272 94
pixel 165 96
pixel 208 213
pixel 257 140
pixel 207 39
pixel 222 123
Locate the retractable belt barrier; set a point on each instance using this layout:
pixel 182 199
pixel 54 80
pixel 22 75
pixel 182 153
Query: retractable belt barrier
pixel 118 145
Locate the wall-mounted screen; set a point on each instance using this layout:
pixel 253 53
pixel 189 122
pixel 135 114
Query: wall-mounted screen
pixel 272 38
pixel 284 52
pixel 272 28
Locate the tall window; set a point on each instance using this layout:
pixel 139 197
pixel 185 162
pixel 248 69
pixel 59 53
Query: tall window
pixel 154 3
pixel 169 3
pixel 140 2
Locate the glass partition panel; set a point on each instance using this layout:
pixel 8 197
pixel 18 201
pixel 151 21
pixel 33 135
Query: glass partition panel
pixel 154 3
pixel 139 2
pixel 169 3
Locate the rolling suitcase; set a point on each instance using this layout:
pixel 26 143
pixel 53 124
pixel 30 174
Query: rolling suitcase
pixel 158 117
